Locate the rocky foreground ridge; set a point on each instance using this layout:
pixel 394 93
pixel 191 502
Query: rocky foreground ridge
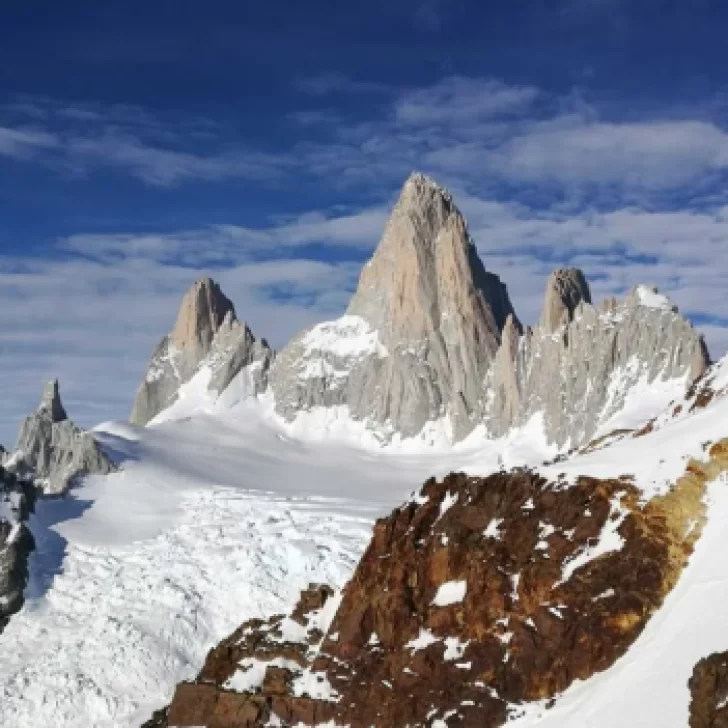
pixel 475 597
pixel 430 336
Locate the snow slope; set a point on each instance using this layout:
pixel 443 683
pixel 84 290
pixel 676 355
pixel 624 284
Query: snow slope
pixel 213 519
pixel 648 687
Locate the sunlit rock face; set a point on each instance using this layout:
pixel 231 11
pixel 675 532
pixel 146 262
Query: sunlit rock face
pixel 580 365
pixel 53 450
pixel 207 335
pixel 419 335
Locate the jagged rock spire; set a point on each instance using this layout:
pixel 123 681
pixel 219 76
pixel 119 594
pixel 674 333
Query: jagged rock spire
pixel 426 270
pixel 51 402
pixel 207 334
pixel 203 310
pixel 430 316
pixel 565 290
pixel 580 379
pixel 55 449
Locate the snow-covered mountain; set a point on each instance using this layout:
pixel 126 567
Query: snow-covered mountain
pixel 430 348
pixel 550 584
pixel 208 343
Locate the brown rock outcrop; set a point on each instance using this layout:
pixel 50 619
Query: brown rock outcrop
pixel 709 692
pixel 476 596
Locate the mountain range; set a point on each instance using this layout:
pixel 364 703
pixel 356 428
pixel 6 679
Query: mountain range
pixel 587 457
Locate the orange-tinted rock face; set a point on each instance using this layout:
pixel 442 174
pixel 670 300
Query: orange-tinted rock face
pixel 709 693
pixel 478 595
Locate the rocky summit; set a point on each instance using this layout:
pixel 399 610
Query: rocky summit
pixel 207 339
pixel 419 335
pixel 53 450
pixel 578 376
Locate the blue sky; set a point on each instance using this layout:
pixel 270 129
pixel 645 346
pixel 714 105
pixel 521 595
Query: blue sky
pixel 142 144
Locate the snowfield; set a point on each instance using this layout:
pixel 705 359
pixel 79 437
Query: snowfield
pixel 222 513
pixel 213 520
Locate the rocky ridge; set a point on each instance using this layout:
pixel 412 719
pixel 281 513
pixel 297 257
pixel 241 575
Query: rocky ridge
pixel 17 499
pixel 53 451
pixel 207 338
pixel 580 374
pixel 476 597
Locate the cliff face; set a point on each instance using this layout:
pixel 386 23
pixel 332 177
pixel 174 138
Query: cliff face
pixel 580 373
pixel 207 335
pixel 420 332
pixel 17 498
pixel 430 335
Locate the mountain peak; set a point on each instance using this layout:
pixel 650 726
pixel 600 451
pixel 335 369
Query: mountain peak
pixel 51 402
pixel 420 182
pixel 203 310
pixel 565 290
pixel 426 270
pixel 436 316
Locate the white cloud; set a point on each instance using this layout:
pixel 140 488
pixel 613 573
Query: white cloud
pixel 458 100
pixel 658 154
pixel 22 143
pixel 163 167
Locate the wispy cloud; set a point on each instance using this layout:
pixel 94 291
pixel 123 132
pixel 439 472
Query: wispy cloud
pixel 163 167
pixel 23 143
pixel 479 130
pixel 458 100
pixel 84 138
pixel 221 245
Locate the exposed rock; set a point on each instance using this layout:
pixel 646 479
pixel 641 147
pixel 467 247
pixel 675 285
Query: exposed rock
pixel 207 339
pixel 204 308
pixel 565 290
pixel 478 595
pixel 580 373
pixel 55 450
pixel 427 336
pixel 420 332
pixel 51 402
pixel 709 692
pixel 17 498
pixel 263 654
